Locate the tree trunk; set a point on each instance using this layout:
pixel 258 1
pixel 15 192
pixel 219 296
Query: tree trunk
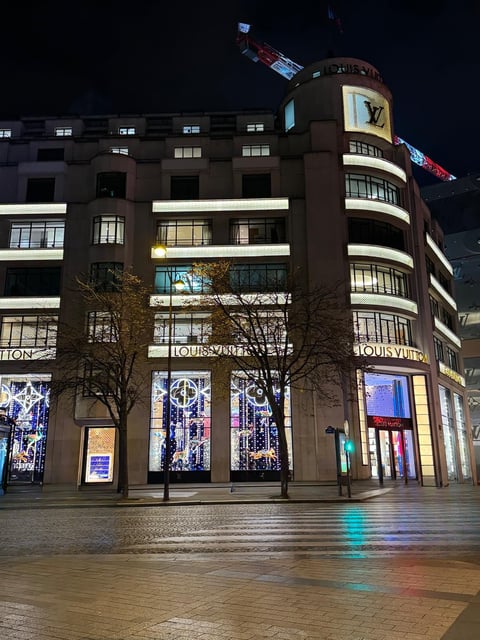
pixel 279 416
pixel 122 457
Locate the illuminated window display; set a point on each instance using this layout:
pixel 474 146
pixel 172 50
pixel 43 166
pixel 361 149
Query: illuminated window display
pixel 253 433
pixel 189 421
pixel 390 433
pixel 462 436
pixel 100 452
pixel 25 399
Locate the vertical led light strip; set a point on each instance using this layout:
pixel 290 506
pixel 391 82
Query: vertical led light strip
pixel 362 418
pixel 423 429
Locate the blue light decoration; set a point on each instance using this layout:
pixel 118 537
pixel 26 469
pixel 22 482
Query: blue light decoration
pixel 189 420
pixel 26 400
pixel 254 434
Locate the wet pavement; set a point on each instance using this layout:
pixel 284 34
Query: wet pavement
pixel 402 563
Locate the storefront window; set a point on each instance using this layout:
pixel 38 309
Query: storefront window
pixel 100 453
pixel 189 421
pixel 253 432
pixel 462 436
pixel 448 432
pixel 25 400
pixel 390 432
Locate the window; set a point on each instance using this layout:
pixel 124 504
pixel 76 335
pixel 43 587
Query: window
pixel 35 235
pixel 452 358
pixel 375 279
pixel 101 327
pixel 5 133
pixel 108 230
pixel 123 151
pixel 447 319
pixel 365 149
pixel 32 281
pixel 381 327
pixel 258 277
pixel 187 328
pixel 40 190
pixel 61 132
pixel 251 150
pixel 430 266
pixel 253 127
pixel 264 326
pixel 445 282
pixel 360 186
pixel 191 128
pixel 166 275
pixel 365 231
pixel 111 184
pixel 126 131
pixel 187 152
pixel 434 307
pixel 184 187
pixel 186 233
pixel 29 331
pixel 438 346
pixel 289 115
pixel 257 231
pixel 50 154
pixel 256 185
pixel 105 276
pixel 98 381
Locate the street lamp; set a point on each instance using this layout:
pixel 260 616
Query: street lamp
pixel 160 251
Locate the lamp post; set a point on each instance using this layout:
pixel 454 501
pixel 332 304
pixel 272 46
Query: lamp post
pixel 160 251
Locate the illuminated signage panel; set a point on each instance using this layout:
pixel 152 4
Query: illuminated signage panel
pixel 366 111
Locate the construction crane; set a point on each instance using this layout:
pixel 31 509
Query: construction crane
pixel 287 68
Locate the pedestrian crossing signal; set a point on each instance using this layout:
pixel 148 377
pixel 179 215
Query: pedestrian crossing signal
pixel 349 446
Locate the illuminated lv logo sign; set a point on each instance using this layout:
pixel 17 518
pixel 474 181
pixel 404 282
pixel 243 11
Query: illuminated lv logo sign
pixel 374 114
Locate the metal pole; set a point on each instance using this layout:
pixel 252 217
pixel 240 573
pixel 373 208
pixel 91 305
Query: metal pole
pixel 349 487
pixel 166 464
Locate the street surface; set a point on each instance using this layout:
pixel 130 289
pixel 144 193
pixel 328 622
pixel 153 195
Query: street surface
pixel 403 566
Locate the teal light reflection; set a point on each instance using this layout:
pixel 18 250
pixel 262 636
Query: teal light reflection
pixel 353 531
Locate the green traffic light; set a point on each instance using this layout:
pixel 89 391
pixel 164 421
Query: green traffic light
pixel 349 446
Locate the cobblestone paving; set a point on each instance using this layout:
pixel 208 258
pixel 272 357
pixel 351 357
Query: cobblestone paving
pixel 388 569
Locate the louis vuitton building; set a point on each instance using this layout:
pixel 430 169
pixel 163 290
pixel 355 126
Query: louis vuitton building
pixel 319 185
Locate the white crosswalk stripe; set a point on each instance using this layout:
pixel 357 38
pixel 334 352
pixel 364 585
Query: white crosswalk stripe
pixel 352 530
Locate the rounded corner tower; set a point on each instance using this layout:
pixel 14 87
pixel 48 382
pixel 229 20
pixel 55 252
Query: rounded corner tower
pixel 359 220
pixel 339 86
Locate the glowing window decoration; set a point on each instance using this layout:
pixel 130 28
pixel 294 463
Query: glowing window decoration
pixel 127 131
pixel 26 400
pixel 100 454
pixel 5 133
pixel 253 432
pixel 189 421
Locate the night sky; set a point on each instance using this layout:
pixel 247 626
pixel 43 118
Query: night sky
pixel 151 57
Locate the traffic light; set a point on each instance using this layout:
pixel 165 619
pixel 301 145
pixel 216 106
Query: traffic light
pixel 349 446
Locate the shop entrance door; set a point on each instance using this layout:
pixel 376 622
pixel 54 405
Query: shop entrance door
pixel 394 455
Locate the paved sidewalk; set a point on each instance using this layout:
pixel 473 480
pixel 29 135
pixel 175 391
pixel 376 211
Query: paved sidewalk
pixel 193 494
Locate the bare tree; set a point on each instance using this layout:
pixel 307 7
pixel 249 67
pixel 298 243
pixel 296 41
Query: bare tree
pixel 104 353
pixel 298 339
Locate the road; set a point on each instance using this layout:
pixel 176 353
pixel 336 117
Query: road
pixel 405 566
